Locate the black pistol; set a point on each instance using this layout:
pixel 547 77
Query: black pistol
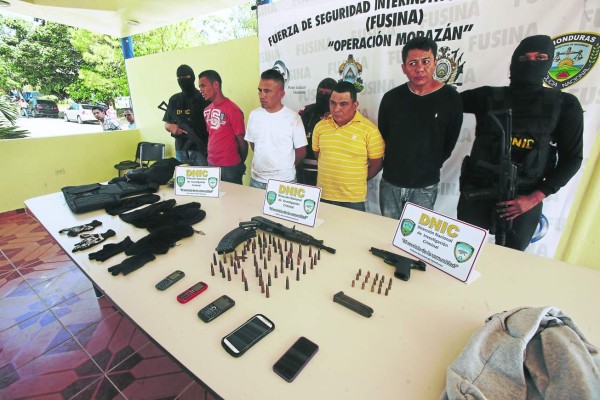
pixel 403 264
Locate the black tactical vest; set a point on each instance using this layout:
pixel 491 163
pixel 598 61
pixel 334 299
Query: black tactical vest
pixel 532 145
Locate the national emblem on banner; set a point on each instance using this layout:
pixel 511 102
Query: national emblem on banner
pixel 350 71
pixel 449 66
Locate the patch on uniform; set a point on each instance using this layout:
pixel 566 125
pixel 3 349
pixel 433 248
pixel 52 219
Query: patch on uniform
pixel 575 55
pixel 449 66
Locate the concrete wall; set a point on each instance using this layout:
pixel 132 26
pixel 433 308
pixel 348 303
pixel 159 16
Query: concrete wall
pixel 33 167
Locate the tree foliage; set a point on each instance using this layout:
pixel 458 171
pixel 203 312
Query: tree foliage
pixel 102 68
pixel 74 63
pixel 38 54
pixel 168 38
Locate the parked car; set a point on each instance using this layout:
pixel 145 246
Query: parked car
pixel 42 108
pixel 80 113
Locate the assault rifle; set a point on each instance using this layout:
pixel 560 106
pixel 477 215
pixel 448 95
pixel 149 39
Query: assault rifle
pixel 506 172
pixel 402 264
pixel 247 230
pixel 191 132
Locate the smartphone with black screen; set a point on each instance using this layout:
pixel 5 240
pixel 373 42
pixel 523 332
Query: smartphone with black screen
pixel 247 335
pixel 292 362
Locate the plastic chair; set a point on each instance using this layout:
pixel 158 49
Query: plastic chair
pixel 145 153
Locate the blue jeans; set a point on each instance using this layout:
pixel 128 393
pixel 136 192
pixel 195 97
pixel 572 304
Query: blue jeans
pixel 360 206
pixel 192 157
pixel 256 184
pixel 393 198
pixel 232 174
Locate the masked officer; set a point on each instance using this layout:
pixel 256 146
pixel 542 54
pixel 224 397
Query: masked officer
pixel 311 115
pixel 184 119
pixel 546 146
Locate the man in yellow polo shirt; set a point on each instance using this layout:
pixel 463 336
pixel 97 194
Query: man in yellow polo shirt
pixel 349 149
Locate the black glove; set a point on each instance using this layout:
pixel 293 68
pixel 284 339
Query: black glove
pixel 131 264
pixel 130 203
pixel 161 240
pixel 90 240
pixel 138 218
pixel 76 230
pixel 188 214
pixel 111 249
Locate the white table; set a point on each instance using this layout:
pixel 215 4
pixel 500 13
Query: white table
pixel 402 351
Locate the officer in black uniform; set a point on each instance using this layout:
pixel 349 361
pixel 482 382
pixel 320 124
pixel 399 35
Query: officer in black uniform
pixel 184 120
pixel 546 144
pixel 306 172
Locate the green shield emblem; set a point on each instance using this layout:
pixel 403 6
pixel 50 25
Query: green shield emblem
pixel 309 206
pixel 463 251
pixel 212 182
pixel 407 227
pixel 271 196
pixel 180 181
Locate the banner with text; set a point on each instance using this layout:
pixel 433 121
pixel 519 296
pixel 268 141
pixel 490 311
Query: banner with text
pixel 361 42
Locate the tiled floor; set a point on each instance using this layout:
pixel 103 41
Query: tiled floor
pixel 59 341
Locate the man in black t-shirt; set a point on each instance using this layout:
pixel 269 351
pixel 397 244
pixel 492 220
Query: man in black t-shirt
pixel 184 120
pixel 420 122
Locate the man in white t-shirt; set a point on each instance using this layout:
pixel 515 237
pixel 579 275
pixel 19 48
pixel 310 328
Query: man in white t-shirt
pixel 275 133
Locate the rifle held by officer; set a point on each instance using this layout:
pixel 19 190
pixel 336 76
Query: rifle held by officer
pixel 191 132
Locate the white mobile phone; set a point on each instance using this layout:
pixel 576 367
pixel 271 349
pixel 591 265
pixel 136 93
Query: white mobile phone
pixel 247 335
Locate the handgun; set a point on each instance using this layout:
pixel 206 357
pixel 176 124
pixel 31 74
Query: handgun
pixel 403 264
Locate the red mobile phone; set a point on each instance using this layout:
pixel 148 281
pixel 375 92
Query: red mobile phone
pixel 192 292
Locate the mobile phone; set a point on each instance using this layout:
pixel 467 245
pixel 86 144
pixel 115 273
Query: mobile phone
pixel 216 308
pixel 170 280
pixel 247 335
pixel 291 363
pixel 192 292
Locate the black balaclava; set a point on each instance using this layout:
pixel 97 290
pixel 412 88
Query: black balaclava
pixel 530 74
pixel 322 104
pixel 186 84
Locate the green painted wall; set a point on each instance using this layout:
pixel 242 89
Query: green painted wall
pixel 33 167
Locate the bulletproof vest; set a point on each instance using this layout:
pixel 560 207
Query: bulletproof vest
pixel 189 113
pixel 95 196
pixel 532 147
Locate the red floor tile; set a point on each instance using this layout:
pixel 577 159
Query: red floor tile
pixel 102 388
pixel 5 265
pixel 82 311
pixel 31 338
pixel 43 270
pixel 58 373
pixel 112 340
pixel 58 341
pixel 18 301
pixel 63 287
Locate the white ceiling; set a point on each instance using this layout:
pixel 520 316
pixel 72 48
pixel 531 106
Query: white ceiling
pixel 110 16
